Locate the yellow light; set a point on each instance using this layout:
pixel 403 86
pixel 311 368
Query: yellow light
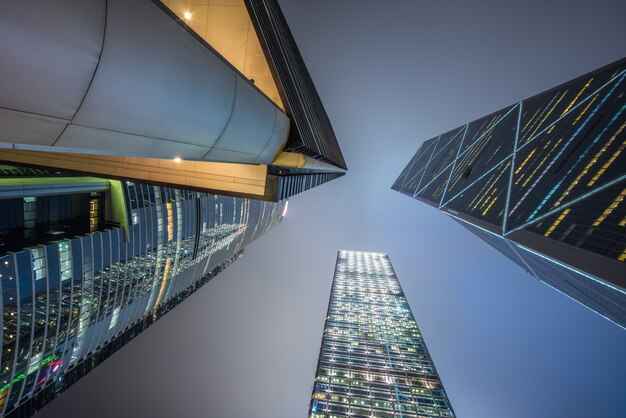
pixel 612 206
pixel 557 222
pixel 525 161
pixel 613 157
pixel 187 15
pixel 577 96
pixel 177 159
pixel 548 114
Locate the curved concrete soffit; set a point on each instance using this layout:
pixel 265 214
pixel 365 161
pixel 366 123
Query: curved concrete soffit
pixel 120 77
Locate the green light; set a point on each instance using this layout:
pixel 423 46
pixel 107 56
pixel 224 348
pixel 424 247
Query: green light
pixel 21 376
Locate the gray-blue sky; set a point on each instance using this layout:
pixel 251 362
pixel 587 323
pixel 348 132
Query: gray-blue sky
pixel 391 74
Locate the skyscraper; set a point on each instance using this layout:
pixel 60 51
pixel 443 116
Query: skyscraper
pixel 373 360
pixel 88 263
pixel 143 145
pixel 542 181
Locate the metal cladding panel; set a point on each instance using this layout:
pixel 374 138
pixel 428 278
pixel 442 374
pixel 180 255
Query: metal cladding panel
pixel 251 119
pixel 88 140
pixel 26 128
pixel 281 131
pixel 313 134
pixel 48 54
pixel 155 80
pixel 130 80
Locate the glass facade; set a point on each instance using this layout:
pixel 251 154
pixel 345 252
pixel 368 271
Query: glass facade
pixel 373 360
pixel 608 301
pixel 68 304
pixel 547 174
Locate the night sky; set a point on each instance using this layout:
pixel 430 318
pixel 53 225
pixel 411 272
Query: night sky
pixel 391 74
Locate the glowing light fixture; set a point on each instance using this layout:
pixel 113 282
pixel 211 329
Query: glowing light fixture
pixel 187 15
pixel 177 159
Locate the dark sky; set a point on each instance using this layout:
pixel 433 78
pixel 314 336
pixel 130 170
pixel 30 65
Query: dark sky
pixel 391 74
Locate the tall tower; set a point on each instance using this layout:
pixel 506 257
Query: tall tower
pixel 373 360
pixel 88 263
pixel 543 181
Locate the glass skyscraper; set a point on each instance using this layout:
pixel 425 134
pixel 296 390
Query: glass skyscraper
pixel 88 263
pixel 373 360
pixel 543 181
